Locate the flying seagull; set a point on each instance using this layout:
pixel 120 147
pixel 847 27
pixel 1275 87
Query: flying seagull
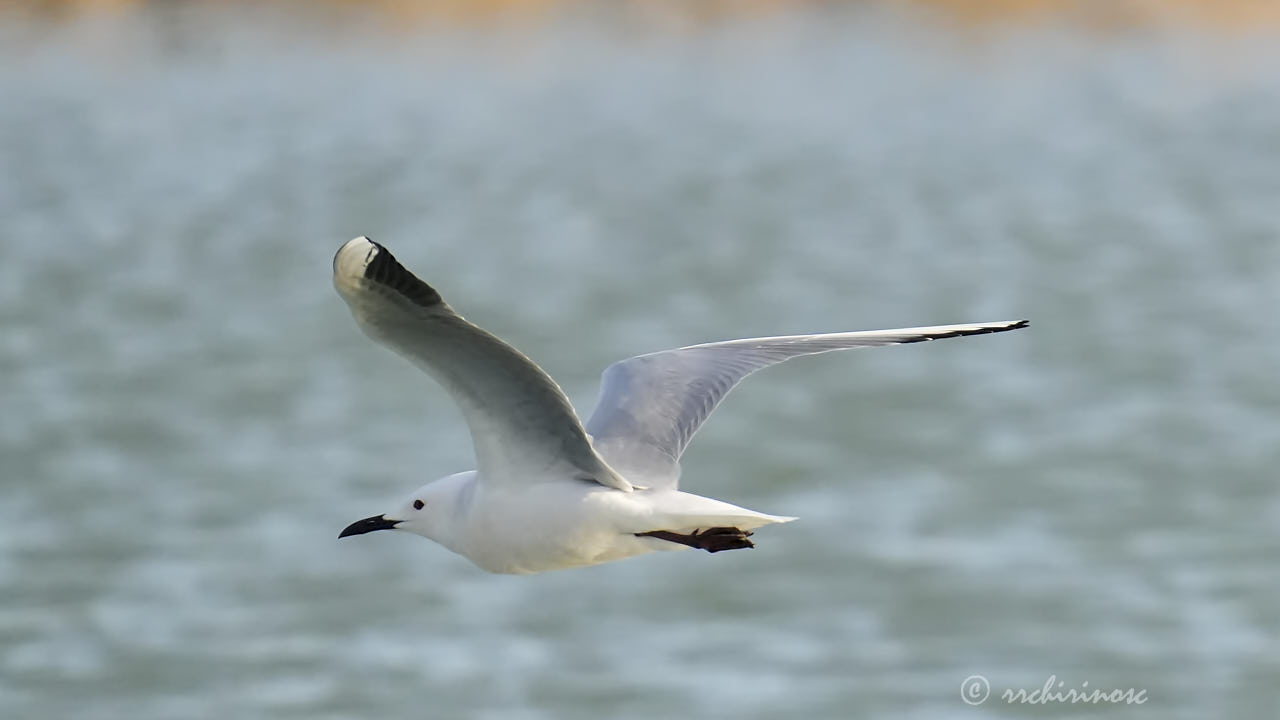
pixel 548 492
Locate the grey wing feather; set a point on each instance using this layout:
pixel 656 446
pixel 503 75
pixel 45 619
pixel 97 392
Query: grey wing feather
pixel 521 423
pixel 651 405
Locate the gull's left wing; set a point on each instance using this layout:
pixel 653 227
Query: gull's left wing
pixel 521 423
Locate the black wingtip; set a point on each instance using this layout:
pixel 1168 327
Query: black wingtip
pixel 385 270
pixel 985 330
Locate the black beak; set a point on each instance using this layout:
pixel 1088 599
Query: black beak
pixel 368 525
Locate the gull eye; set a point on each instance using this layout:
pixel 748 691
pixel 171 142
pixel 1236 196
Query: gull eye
pixel 417 504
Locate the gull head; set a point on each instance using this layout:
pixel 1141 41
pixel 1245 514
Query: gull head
pixel 427 512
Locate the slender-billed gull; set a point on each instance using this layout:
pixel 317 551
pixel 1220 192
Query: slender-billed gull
pixel 548 492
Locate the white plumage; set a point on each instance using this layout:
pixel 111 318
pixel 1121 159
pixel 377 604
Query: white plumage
pixel 547 491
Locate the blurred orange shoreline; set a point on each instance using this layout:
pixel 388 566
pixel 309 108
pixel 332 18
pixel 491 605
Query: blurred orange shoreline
pixel 1208 14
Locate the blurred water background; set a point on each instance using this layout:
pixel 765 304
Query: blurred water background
pixel 189 415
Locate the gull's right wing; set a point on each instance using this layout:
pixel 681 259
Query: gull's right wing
pixel 521 423
pixel 651 405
